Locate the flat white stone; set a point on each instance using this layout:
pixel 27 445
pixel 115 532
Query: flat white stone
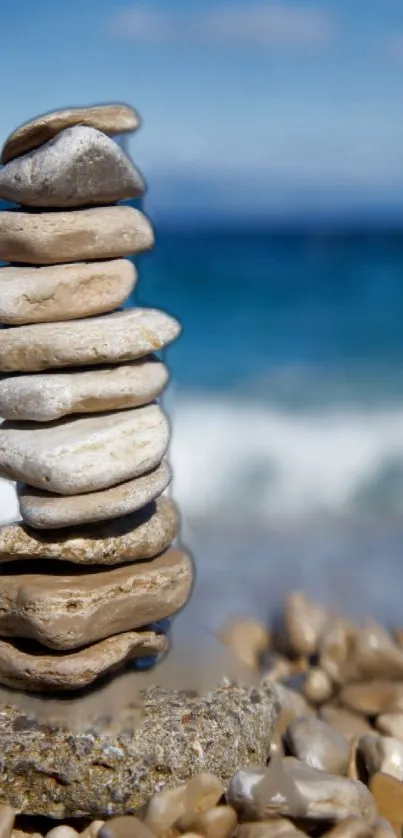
pixel 45 511
pixel 44 397
pixel 51 238
pixel 64 292
pixel 78 167
pixel 113 338
pixel 73 456
pixel 111 119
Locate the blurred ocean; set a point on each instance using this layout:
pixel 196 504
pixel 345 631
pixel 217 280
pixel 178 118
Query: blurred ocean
pixel 286 401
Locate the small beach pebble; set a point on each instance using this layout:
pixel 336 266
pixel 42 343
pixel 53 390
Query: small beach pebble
pixel 92 830
pixel 318 745
pixel 373 697
pixel 346 722
pixel 388 795
pixel 62 832
pixel 292 704
pixel 248 639
pixel 218 822
pixel 350 828
pixel 318 686
pixel 391 724
pixel 335 647
pixel 266 829
pixel 382 753
pixel 125 826
pixel 7 818
pixel 304 623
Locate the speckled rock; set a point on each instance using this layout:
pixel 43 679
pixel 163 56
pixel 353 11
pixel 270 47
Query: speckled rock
pixel 50 238
pixel 73 456
pixel 110 119
pixel 30 667
pixel 44 397
pixel 64 608
pixel 141 535
pixel 113 338
pixel 78 167
pixel 61 773
pixel 43 510
pixel 64 292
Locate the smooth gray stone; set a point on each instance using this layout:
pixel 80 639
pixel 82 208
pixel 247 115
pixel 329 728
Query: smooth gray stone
pixel 46 511
pixel 317 744
pixel 44 397
pixel 74 456
pixel 110 119
pixel 79 167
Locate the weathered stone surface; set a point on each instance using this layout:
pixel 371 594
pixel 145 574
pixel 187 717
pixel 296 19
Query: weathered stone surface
pixel 65 608
pixel 58 772
pixel 374 697
pixel 317 744
pixel 113 338
pixel 64 292
pixel 78 167
pixel 73 456
pixel 111 119
pixel 43 510
pixel 53 238
pixel 28 666
pixel 49 396
pixel 141 535
pixel 289 787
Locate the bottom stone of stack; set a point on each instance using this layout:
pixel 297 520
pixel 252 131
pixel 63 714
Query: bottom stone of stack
pixel 45 510
pixel 66 607
pixel 29 666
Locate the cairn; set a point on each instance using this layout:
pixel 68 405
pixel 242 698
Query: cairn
pixel 90 575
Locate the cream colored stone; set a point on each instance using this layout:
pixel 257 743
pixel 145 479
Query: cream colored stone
pixel 217 822
pixel 348 723
pixel 179 806
pixel 62 831
pixel 318 745
pixel 391 724
pixel 7 818
pixel 382 753
pixel 266 829
pixel 388 794
pixel 78 167
pixel 352 827
pixel 92 830
pixel 125 826
pixel 35 669
pixel 374 697
pixel 304 623
pixel 113 338
pixel 68 610
pixel 64 292
pixel 111 119
pixel 141 535
pixel 44 397
pixel 318 686
pixel 50 238
pixel 336 649
pixel 248 639
pixel 43 510
pixel 73 456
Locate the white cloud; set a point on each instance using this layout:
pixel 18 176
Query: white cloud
pixel 271 24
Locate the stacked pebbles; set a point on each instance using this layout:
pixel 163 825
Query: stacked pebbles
pixel 89 575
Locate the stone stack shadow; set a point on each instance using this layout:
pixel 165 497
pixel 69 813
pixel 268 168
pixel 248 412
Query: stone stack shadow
pixel 90 574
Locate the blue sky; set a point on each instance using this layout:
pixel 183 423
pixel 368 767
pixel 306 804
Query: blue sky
pixel 250 107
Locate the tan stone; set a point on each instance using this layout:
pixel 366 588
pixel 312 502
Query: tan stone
pixel 318 686
pixel 141 535
pixel 373 697
pixel 351 827
pixel 217 822
pixel 62 831
pixel 391 724
pixel 7 818
pixel 292 705
pixel 388 795
pixel 34 668
pixel 248 639
pixel 69 609
pixel 318 745
pixel 290 788
pixel 50 238
pixel 381 828
pixel 304 622
pixel 113 338
pixel 64 292
pixel 266 829
pixel 346 722
pixel 179 806
pixel 78 167
pixel 92 830
pixel 111 119
pixel 74 456
pixel 125 826
pixel 43 510
pixel 382 753
pixel 44 397
pixel 336 649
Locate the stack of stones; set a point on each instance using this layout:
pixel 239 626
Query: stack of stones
pixel 90 575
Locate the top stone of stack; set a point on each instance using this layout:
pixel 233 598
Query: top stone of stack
pixel 110 119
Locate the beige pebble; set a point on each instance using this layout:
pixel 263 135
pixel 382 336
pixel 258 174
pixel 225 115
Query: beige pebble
pixel 304 623
pixel 346 722
pixel 267 829
pixel 164 809
pixel 318 745
pixel 351 827
pixel 64 292
pixel 217 822
pixel 382 829
pixel 94 452
pixel 114 338
pixel 125 826
pixel 62 832
pixel 110 119
pixel 292 705
pixel 391 724
pixel 376 654
pixel 335 649
pixel 69 610
pixel 7 818
pixel 248 639
pixel 318 686
pixel 382 753
pixel 373 697
pixel 92 830
pixel 50 238
pixel 388 795
pixel 78 167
